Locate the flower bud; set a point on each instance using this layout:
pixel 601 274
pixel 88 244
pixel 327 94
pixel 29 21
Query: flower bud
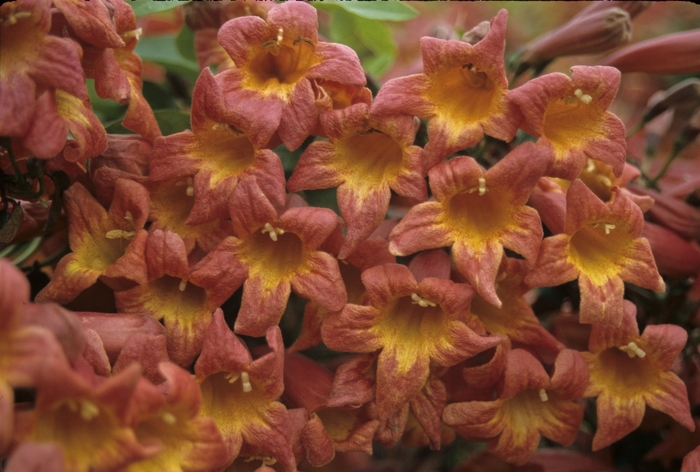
pixel 477 33
pixel 677 53
pixel 200 15
pixel 685 94
pixel 674 256
pixel 633 7
pixel 599 31
pixel 672 213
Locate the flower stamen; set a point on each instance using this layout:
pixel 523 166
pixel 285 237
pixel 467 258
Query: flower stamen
pixel 586 99
pixel 632 350
pixel 88 410
pixel 481 187
pixel 135 33
pixel 120 234
pixel 543 395
pixel 420 301
pixel 607 226
pixel 14 16
pixel 232 377
pixel 183 285
pixel 306 40
pixel 245 381
pixel 274 232
pixel 275 42
pixel 168 417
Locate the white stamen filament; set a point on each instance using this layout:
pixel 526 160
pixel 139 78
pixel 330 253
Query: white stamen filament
pixel 183 285
pixel 280 36
pixel 14 16
pixel 582 96
pixel 605 180
pixel 135 33
pixel 274 232
pixel 168 417
pixel 245 381
pixel 607 226
pixel 420 301
pixel 590 166
pixel 632 350
pixel 543 395
pixel 232 377
pixel 190 187
pixel 481 187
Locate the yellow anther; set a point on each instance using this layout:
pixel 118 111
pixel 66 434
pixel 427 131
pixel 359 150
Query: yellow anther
pixel 274 232
pixel 135 33
pixel 120 234
pixel 543 395
pixel 218 126
pixel 88 410
pixel 420 301
pixel 632 350
pixel 232 377
pixel 183 285
pixel 578 93
pixel 481 188
pixel 168 417
pixel 245 381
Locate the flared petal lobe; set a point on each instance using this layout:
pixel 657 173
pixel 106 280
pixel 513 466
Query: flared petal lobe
pixel 478 213
pixel 630 372
pixel 276 59
pixel 569 116
pixel 463 92
pixel 601 247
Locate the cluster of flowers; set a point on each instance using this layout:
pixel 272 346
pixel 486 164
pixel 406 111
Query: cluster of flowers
pixel 447 342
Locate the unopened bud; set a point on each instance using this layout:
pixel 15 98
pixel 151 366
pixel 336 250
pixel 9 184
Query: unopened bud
pixel 597 32
pixel 477 33
pixel 688 133
pixel 685 94
pixel 201 15
pixel 633 7
pixel 677 53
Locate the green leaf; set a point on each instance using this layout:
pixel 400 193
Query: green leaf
pixel 163 51
pixel 185 43
pixel 172 121
pixel 169 120
pixel 106 110
pixel 342 30
pixel 371 40
pixel 145 7
pixel 386 10
pixel 376 37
